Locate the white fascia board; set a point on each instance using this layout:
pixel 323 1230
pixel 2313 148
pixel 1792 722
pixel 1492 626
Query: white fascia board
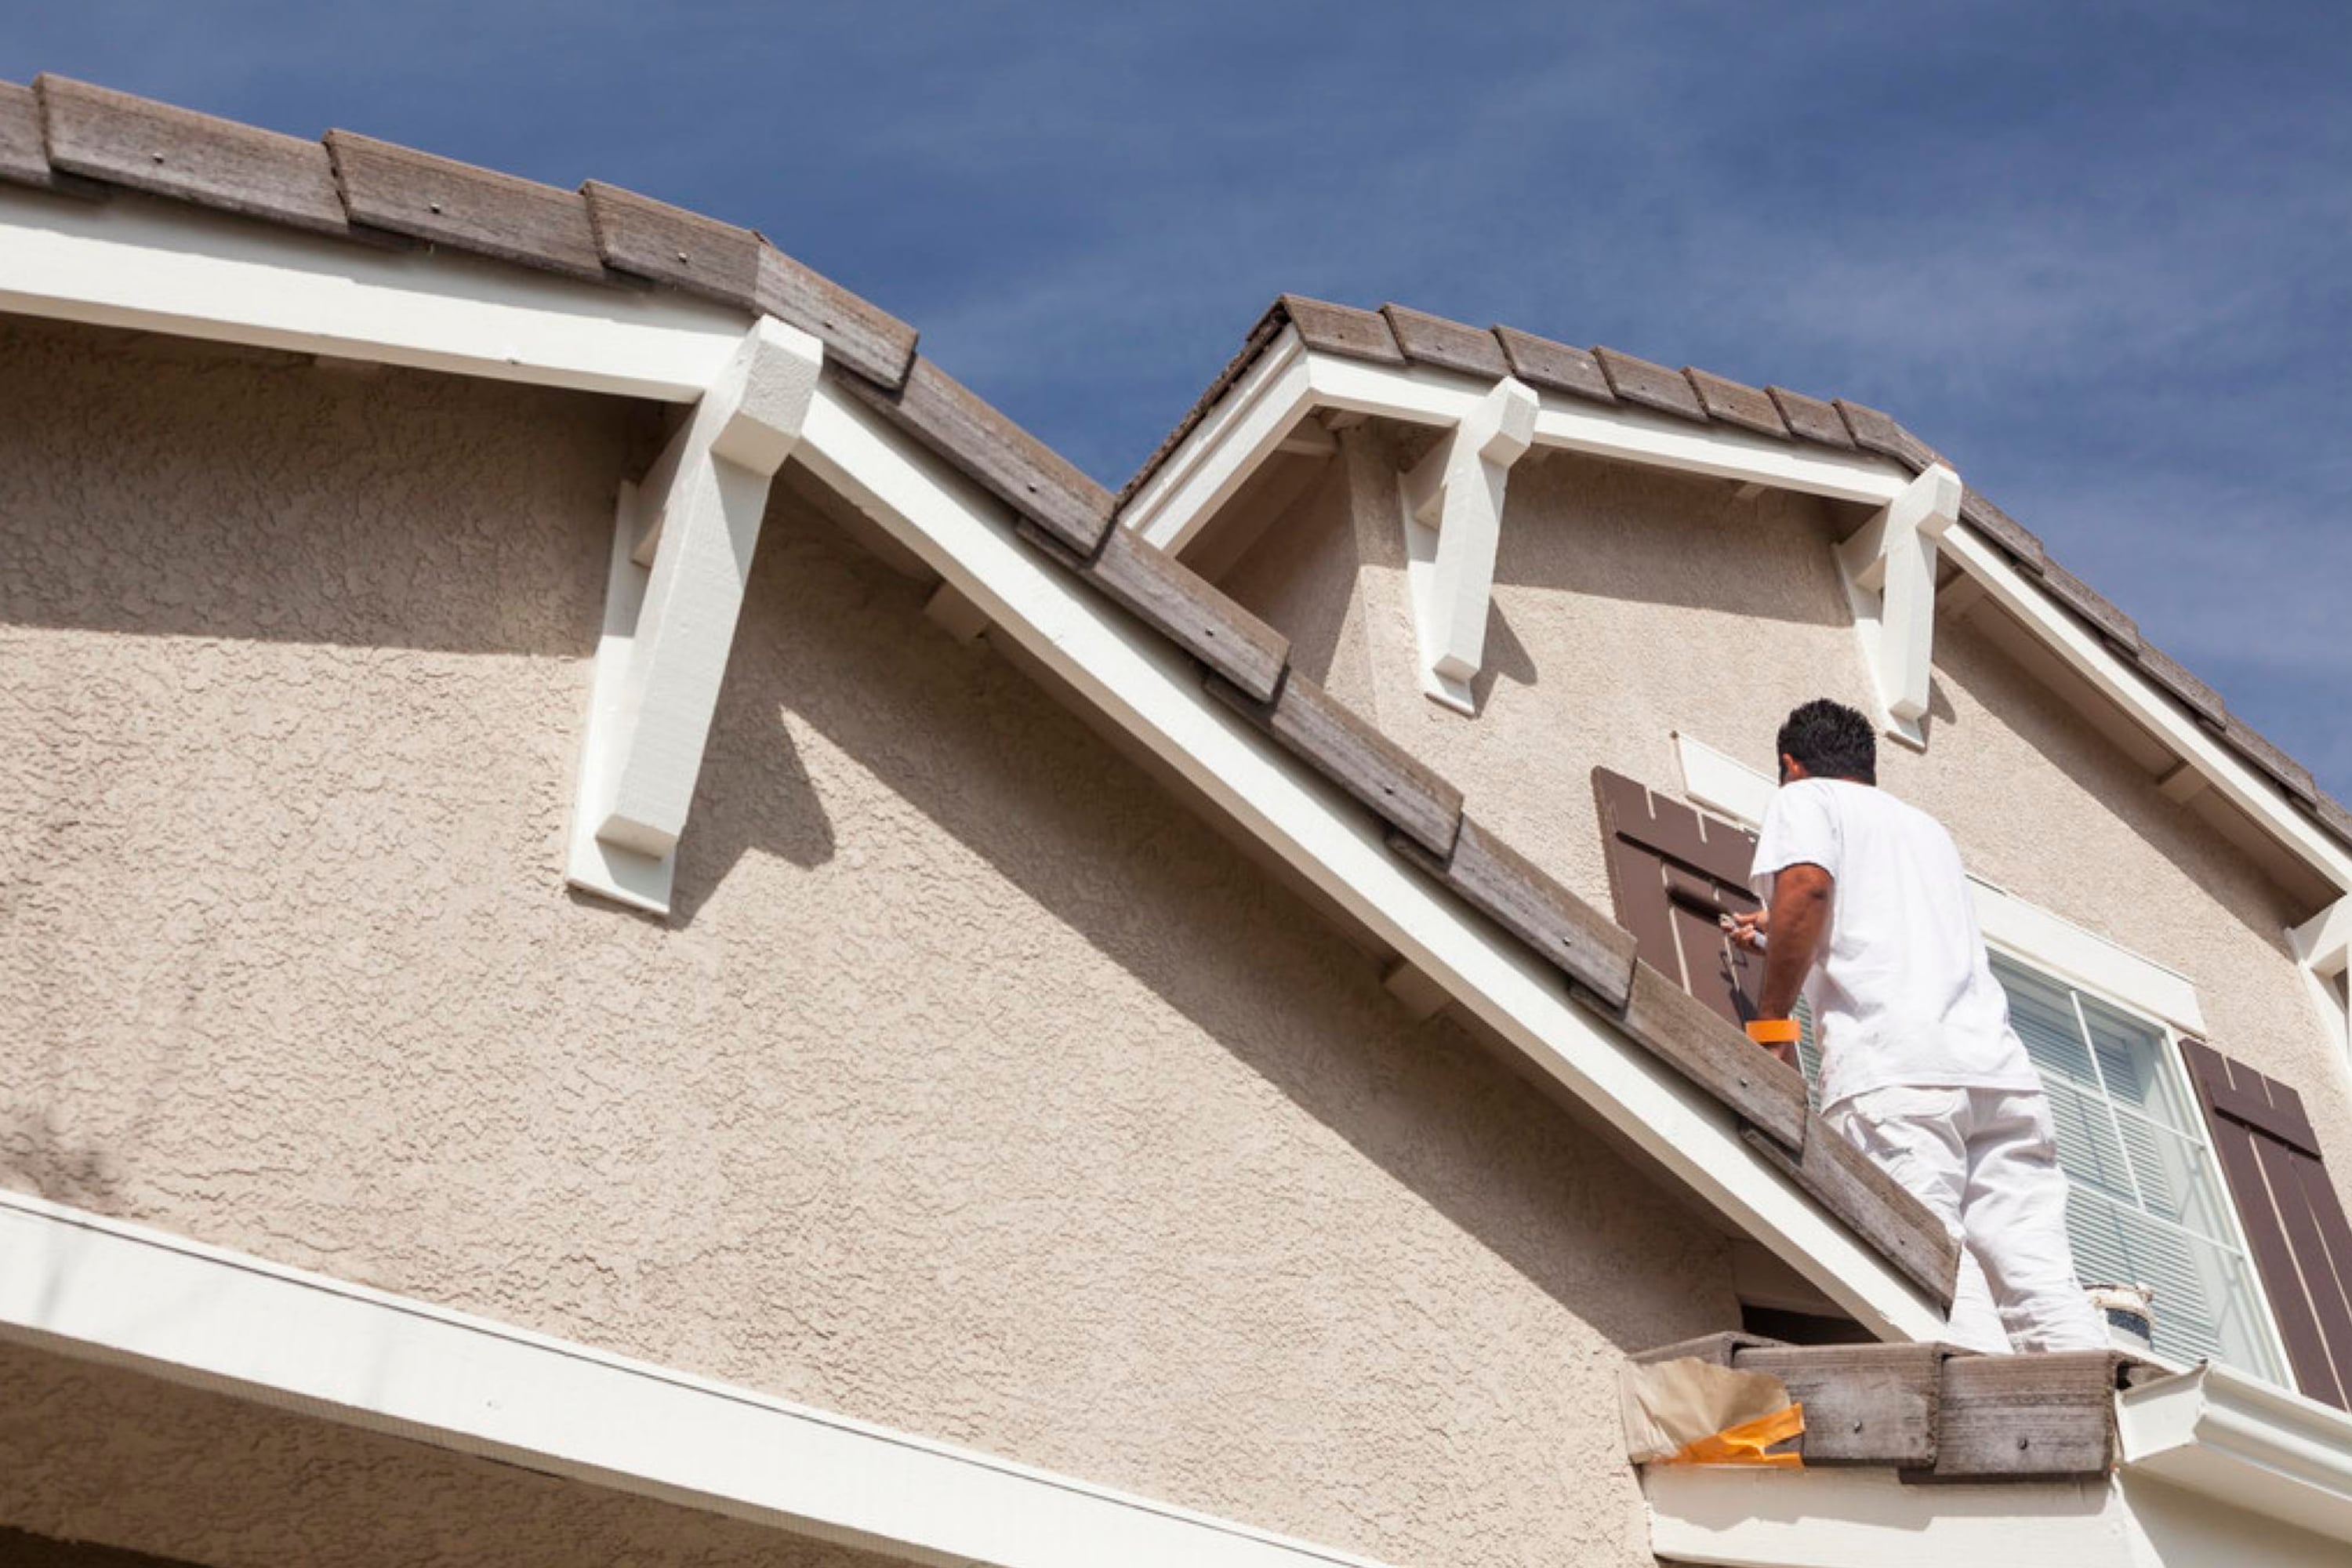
pixel 1421 395
pixel 2084 652
pixel 2247 1443
pixel 1744 1517
pixel 2049 941
pixel 1248 425
pixel 1741 1517
pixel 102 1289
pixel 1151 690
pixel 165 267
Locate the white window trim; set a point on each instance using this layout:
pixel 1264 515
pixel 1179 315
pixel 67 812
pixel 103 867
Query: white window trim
pixel 2175 1066
pixel 100 1288
pixel 2048 940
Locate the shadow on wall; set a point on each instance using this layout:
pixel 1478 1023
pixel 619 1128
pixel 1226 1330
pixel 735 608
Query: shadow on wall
pixel 1598 530
pixel 988 758
pixel 117 514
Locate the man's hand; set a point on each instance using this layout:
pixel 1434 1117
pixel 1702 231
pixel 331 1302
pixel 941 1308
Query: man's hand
pixel 1746 932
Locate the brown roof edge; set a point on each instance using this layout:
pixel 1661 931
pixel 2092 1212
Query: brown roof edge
pixel 70 136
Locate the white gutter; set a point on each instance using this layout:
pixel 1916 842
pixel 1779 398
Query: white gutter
pixel 99 1289
pixel 2245 1442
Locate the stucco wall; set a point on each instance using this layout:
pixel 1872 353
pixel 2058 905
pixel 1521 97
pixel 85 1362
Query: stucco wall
pixel 99 1454
pixel 977 1088
pixel 1630 603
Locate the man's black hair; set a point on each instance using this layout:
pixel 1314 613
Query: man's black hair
pixel 1831 740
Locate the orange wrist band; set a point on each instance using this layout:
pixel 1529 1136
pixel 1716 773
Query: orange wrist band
pixel 1773 1031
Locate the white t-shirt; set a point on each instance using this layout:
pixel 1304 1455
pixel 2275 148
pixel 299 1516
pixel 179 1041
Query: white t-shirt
pixel 1902 992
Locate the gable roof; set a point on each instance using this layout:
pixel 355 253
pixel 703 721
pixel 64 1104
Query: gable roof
pixel 1399 336
pixel 77 141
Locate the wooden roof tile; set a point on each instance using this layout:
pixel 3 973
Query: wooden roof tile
pixel 1980 513
pixel 664 244
pixel 1876 432
pixel 1191 612
pixel 121 140
pixel 2334 815
pixel 22 160
pixel 863 336
pixel 2167 672
pixel 1651 385
pixel 2080 597
pixel 1874 1205
pixel 1410 796
pixel 466 207
pixel 2292 776
pixel 1734 403
pixel 1028 476
pixel 1342 329
pixel 1556 367
pixel 1449 345
pixel 1528 901
pixel 1810 418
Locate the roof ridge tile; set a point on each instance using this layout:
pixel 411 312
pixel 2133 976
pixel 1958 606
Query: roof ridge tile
pixel 120 139
pixel 446 201
pixel 1651 384
pixel 1732 402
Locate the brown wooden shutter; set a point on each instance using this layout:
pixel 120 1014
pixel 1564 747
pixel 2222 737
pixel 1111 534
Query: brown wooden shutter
pixel 1672 870
pixel 2294 1222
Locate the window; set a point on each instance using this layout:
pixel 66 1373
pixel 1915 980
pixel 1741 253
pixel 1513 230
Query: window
pixel 2147 1205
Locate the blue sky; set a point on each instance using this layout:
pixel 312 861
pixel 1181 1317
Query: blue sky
pixel 2101 255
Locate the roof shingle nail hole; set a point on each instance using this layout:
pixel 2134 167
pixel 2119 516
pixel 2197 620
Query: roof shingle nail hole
pixel 157 156
pixel 433 207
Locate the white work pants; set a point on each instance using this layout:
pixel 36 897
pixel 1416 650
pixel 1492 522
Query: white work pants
pixel 1985 1161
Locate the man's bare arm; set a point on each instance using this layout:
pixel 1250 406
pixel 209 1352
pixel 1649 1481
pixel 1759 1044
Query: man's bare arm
pixel 1798 917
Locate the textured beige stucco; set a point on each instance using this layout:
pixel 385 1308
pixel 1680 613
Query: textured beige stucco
pixel 1630 603
pixel 99 1454
pixel 978 1088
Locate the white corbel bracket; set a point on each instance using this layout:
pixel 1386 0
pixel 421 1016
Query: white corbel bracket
pixel 1453 527
pixel 2324 942
pixel 1889 566
pixel 682 547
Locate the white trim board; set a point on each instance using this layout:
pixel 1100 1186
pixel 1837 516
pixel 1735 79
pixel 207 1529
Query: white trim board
pixel 1742 1517
pixel 2049 941
pixel 1154 691
pixel 102 1290
pixel 158 266
pixel 1290 382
